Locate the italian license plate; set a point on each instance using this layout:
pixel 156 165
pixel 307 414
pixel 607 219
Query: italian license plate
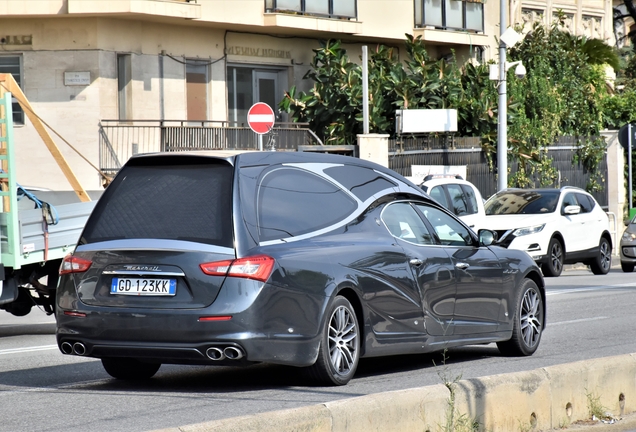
pixel 143 286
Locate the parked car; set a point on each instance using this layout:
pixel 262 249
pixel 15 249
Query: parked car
pixel 555 226
pixel 308 260
pixel 628 246
pixel 459 196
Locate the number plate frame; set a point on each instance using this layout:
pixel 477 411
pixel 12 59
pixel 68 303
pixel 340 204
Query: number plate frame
pixel 143 286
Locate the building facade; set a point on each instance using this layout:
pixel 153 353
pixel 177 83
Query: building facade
pixel 80 62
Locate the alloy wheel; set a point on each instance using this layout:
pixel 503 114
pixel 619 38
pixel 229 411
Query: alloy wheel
pixel 556 257
pixel 531 317
pixel 605 255
pixel 343 334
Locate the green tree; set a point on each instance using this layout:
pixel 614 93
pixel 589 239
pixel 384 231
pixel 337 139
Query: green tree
pixel 563 94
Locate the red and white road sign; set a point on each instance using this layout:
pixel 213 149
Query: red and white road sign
pixel 261 118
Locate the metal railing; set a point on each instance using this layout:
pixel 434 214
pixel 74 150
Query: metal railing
pixel 121 139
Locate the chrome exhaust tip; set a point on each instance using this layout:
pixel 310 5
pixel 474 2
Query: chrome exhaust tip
pixel 214 353
pixel 66 348
pixel 79 349
pixel 233 353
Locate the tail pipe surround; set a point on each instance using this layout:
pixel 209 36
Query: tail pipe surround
pixel 222 353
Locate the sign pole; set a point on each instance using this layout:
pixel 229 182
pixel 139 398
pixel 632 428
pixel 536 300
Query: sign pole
pixel 629 162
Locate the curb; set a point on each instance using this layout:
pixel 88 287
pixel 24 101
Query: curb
pixel 541 399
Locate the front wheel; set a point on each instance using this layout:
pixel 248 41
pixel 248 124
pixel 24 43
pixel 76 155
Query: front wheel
pixel 339 350
pixel 528 322
pixel 603 262
pixel 129 368
pixel 554 266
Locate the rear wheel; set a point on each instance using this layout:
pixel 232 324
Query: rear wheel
pixel 528 322
pixel 627 267
pixel 603 262
pixel 554 266
pixel 339 350
pixel 129 368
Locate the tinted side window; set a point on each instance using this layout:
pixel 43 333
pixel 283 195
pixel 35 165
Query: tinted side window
pixel 449 231
pixel 362 182
pixel 568 200
pixel 458 201
pixel 438 194
pixel 179 202
pixel 293 202
pixel 586 203
pixel 404 222
pixel 471 199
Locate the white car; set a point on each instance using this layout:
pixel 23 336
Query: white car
pixel 554 226
pixel 459 196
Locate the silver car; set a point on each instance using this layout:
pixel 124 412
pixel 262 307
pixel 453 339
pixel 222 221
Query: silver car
pixel 628 246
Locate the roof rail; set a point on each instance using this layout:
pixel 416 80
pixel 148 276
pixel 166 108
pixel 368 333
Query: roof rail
pixel 434 176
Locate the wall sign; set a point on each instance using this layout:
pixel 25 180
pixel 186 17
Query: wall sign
pixel 16 40
pixel 258 52
pixel 77 78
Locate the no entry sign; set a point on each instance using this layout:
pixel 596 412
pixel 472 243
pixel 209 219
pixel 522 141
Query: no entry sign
pixel 261 118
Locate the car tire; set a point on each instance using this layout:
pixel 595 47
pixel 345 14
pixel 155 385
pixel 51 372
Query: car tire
pixel 627 267
pixel 339 350
pixel 603 262
pixel 554 266
pixel 528 322
pixel 129 368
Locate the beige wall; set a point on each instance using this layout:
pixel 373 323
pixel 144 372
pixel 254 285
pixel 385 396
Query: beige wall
pixel 87 35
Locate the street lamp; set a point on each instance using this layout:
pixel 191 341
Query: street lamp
pixel 508 37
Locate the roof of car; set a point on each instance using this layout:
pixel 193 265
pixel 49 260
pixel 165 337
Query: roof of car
pixel 244 158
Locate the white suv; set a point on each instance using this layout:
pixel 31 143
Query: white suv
pixel 554 226
pixel 459 196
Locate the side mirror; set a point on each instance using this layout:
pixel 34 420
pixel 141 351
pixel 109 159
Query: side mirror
pixel 487 237
pixel 572 210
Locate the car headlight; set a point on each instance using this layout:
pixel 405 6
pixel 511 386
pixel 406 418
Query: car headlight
pixel 527 230
pixel 628 236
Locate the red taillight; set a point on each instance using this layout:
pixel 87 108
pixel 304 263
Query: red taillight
pixel 215 318
pixel 73 264
pixel 75 314
pixel 258 267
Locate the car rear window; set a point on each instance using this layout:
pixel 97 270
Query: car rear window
pixel 190 202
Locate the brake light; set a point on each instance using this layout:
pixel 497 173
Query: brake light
pixel 73 264
pixel 258 267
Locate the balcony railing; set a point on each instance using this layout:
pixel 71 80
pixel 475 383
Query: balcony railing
pixel 121 139
pixel 328 8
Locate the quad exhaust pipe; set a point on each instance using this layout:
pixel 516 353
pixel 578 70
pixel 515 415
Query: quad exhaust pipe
pixel 79 349
pixel 230 353
pixel 76 348
pixel 66 348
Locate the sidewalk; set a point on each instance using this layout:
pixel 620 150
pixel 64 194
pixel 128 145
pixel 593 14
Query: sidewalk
pixel 627 423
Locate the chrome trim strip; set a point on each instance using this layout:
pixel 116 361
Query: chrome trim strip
pixel 155 244
pixel 140 272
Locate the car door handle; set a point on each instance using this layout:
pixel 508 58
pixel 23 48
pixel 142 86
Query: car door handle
pixel 462 265
pixel 416 262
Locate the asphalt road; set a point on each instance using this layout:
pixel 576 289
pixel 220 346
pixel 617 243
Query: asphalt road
pixel 42 390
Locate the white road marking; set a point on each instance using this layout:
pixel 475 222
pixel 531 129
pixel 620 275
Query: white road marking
pixel 593 288
pixel 28 349
pixel 577 321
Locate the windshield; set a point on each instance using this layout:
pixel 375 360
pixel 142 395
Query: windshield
pixel 522 202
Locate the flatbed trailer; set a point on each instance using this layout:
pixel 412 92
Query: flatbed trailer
pixel 35 235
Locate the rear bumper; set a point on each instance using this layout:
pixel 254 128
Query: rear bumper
pixel 275 350
pixel 268 324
